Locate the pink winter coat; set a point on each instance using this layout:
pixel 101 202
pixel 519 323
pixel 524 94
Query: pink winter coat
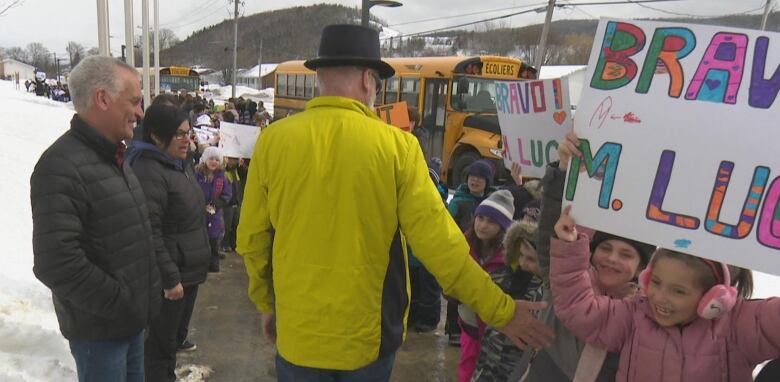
pixel 722 350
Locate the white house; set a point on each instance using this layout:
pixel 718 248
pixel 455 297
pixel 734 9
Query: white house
pixel 255 77
pixel 9 66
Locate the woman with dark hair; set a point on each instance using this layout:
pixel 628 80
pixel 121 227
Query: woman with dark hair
pixel 176 212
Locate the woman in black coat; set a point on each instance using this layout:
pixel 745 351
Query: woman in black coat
pixel 178 218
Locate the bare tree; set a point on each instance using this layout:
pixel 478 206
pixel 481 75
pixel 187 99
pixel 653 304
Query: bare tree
pixel 168 38
pixel 75 52
pixel 17 54
pixel 7 5
pixel 2 52
pixel 94 51
pixel 39 55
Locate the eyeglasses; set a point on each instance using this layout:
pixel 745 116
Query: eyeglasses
pixel 377 81
pixel 181 135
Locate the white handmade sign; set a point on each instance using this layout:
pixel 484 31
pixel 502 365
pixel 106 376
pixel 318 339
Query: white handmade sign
pixel 676 125
pixel 534 116
pixel 237 141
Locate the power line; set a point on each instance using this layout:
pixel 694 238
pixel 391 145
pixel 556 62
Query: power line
pixel 198 20
pixel 528 11
pixel 194 11
pixel 689 14
pixel 466 14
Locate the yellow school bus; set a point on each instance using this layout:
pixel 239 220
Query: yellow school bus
pixel 455 97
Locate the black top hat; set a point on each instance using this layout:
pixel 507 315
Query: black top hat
pixel 343 45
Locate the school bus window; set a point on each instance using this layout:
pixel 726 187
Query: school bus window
pixel 392 90
pixel 299 80
pixel 291 85
pixel 410 91
pixel 281 84
pixel 308 85
pixel 473 94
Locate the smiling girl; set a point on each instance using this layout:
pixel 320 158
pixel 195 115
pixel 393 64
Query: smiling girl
pixel 492 218
pixel 691 326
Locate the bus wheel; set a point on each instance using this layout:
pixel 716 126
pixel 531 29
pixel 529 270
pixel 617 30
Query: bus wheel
pixel 458 173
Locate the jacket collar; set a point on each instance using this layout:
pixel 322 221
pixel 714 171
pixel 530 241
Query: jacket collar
pixel 151 151
pixel 93 138
pixel 342 103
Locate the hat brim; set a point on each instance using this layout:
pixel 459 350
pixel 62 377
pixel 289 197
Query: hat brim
pixel 384 69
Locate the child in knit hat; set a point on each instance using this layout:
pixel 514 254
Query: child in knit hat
pixel 479 177
pixel 467 197
pixel 499 359
pixel 485 237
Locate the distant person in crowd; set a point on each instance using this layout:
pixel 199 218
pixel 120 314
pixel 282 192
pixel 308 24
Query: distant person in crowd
pixel 217 193
pixel 175 204
pixel 235 171
pixel 334 188
pixel 92 241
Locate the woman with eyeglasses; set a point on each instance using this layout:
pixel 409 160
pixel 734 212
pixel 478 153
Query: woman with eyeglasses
pixel 175 203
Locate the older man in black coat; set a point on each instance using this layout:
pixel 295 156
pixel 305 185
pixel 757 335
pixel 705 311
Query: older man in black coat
pixel 92 240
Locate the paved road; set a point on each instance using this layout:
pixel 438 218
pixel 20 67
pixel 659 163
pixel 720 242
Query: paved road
pixel 226 328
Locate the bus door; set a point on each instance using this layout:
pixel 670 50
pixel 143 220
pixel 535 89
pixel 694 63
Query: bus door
pixel 433 116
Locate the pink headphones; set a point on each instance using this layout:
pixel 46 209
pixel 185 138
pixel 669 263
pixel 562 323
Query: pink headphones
pixel 716 301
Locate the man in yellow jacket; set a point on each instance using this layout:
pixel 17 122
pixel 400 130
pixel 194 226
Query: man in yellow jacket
pixel 329 192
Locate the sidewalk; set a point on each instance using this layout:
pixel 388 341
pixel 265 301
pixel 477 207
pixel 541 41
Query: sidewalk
pixel 226 327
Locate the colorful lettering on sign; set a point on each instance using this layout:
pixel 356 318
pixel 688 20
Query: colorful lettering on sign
pixel 614 68
pixel 502 97
pixel 537 95
pixel 668 46
pixel 655 209
pixel 768 230
pixel 606 159
pixel 749 208
pixel 762 92
pixel 720 71
pixel 557 94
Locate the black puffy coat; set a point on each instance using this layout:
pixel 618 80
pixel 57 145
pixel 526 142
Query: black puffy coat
pixel 92 241
pixel 177 212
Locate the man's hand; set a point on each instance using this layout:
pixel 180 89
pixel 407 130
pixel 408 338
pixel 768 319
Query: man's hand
pixel 568 148
pixel 269 327
pixel 524 330
pixel 566 227
pixel 174 293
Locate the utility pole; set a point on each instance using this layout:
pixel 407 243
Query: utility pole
pixel 157 47
pixel 260 67
pixel 767 8
pixel 365 12
pixel 57 66
pixel 235 45
pixel 102 14
pixel 543 40
pixel 145 42
pixel 129 51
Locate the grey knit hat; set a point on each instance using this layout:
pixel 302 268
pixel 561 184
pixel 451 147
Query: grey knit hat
pixel 499 206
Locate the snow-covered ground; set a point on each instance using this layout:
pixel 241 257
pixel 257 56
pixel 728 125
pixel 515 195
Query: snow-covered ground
pixel 31 347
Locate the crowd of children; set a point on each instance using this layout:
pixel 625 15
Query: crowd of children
pixel 621 309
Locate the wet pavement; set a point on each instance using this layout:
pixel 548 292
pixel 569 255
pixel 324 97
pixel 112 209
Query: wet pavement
pixel 226 328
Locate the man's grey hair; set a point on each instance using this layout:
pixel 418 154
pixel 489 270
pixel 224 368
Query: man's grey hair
pixel 91 74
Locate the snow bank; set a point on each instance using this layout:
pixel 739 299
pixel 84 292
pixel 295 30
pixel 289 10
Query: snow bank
pixel 31 346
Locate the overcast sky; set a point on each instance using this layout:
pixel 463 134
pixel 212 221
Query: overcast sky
pixel 55 22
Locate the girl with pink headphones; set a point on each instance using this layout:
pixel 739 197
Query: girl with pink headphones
pixel 690 324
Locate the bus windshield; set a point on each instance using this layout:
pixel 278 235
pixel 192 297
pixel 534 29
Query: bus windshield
pixel 474 94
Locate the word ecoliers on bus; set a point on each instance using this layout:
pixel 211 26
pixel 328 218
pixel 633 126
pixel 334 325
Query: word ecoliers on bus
pixel 717 77
pixel 604 167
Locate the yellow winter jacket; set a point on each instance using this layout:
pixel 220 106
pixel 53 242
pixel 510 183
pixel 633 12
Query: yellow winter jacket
pixel 327 192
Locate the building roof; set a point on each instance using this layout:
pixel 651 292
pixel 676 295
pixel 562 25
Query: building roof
pixel 252 72
pixel 8 59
